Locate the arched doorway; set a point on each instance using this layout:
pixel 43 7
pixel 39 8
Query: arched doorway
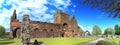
pixel 36 29
pixel 62 34
pixel 65 24
pixel 51 34
pixel 15 32
pixel 44 35
pixel 87 33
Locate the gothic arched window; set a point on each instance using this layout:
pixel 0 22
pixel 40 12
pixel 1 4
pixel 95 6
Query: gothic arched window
pixel 65 24
pixel 36 29
pixel 51 30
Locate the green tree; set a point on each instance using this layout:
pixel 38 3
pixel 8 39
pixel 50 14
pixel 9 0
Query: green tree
pixel 96 30
pixel 2 30
pixel 117 29
pixel 109 31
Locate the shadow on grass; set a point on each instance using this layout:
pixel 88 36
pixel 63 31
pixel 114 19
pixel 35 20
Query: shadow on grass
pixel 6 39
pixel 40 42
pixel 6 43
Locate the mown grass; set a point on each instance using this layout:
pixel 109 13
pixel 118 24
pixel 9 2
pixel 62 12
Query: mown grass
pixel 7 41
pixel 117 39
pixel 64 41
pixel 49 41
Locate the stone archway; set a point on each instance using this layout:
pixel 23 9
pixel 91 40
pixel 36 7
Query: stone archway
pixel 62 34
pixel 44 33
pixel 15 32
pixel 87 33
pixel 65 24
pixel 36 29
pixel 51 34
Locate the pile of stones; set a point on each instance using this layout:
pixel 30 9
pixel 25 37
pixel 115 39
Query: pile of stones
pixel 103 42
pixel 25 33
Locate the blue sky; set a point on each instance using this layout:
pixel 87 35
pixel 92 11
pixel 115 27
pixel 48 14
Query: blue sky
pixel 43 10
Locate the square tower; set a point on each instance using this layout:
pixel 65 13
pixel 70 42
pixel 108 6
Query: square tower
pixel 61 17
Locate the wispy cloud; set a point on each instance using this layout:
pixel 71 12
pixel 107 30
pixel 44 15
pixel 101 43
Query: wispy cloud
pixel 85 28
pixel 60 4
pixel 36 9
pixel 102 15
pixel 73 10
pixel 89 28
pixel 74 6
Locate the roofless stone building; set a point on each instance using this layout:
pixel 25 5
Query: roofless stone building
pixel 63 26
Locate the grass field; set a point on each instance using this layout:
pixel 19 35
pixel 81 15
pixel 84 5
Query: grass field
pixel 117 39
pixel 49 41
pixel 7 41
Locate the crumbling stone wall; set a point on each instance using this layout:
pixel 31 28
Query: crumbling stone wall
pixel 63 26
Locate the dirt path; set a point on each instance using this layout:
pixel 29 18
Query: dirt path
pixel 93 42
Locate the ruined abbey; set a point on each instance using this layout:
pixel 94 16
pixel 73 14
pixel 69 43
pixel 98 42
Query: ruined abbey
pixel 63 26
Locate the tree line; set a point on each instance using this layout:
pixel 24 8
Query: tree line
pixel 108 31
pixel 2 31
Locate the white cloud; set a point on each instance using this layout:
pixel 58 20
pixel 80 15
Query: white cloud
pixel 85 28
pixel 73 10
pixel 5 18
pixel 60 4
pixel 37 9
pixel 1 1
pixel 89 28
pixel 102 15
pixel 52 21
pixel 52 11
pixel 81 27
pixel 74 5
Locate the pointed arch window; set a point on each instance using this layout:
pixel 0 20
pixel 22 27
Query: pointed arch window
pixel 51 30
pixel 65 25
pixel 36 29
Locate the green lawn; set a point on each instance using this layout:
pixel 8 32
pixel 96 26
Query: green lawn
pixel 49 41
pixel 117 39
pixel 7 41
